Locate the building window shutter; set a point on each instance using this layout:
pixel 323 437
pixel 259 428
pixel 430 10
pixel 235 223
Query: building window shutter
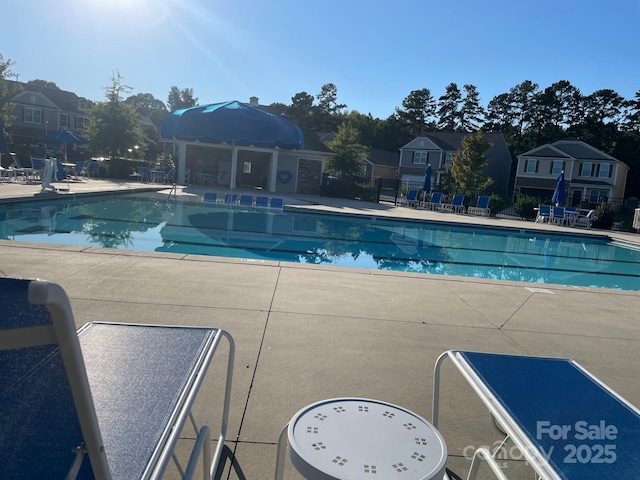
pixel 611 171
pixel 537 165
pixel 593 167
pixel 597 172
pixel 413 157
pixel 551 167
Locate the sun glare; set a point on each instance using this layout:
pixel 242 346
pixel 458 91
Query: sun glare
pixel 144 13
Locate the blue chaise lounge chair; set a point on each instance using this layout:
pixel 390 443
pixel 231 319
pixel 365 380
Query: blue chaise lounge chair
pixel 456 205
pixel 435 202
pixel 106 402
pixel 563 421
pixel 482 207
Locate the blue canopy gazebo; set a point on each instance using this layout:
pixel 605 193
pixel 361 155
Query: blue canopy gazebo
pixel 233 125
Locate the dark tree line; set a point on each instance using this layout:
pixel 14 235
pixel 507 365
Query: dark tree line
pixel 526 115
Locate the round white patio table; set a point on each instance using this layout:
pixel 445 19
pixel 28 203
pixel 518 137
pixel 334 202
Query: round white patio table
pixel 359 438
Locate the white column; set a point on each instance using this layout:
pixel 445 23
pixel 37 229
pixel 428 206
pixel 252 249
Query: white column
pixel 274 170
pixel 182 162
pixel 234 168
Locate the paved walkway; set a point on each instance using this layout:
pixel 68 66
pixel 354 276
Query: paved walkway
pixel 306 333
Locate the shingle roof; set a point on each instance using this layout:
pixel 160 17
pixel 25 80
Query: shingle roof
pixel 64 100
pixel 581 150
pixel 383 157
pixel 313 143
pixel 545 151
pixel 452 141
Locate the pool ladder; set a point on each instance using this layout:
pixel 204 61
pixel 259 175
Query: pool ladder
pixel 174 191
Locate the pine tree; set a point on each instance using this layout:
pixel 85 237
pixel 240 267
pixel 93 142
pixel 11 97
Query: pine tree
pixel 471 112
pixel 449 109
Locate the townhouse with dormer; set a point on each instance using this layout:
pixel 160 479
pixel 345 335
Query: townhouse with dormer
pixel 591 175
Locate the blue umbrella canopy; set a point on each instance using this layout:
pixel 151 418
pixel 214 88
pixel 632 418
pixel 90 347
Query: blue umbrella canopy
pixel 64 136
pixel 234 123
pixel 427 179
pixel 559 194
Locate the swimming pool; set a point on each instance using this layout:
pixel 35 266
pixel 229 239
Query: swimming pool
pixel 149 222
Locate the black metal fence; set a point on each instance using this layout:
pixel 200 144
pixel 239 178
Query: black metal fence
pixel 380 189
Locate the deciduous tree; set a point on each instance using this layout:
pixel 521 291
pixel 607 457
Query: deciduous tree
pixel 113 127
pixel 8 88
pixel 350 155
pixel 469 162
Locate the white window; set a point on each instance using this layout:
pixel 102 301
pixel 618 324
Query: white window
pixel 531 165
pixel 81 123
pixel 64 120
pixel 420 157
pixel 32 115
pixel 448 159
pixel 585 169
pixel 605 170
pixel 557 167
pixel 598 196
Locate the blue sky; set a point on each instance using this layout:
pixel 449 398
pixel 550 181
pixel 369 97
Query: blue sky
pixel 375 53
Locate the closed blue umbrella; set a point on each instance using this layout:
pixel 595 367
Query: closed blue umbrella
pixel 559 195
pixel 426 187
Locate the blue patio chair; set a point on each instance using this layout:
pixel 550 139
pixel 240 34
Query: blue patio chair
pixel 558 216
pixel 456 205
pixel 79 170
pixel 37 166
pixel 144 174
pixel 412 198
pixel 108 401
pixel 246 201
pixel 61 173
pixel 210 197
pixel 435 202
pixel 276 203
pixel 544 213
pixel 231 199
pixel 262 201
pixel 482 207
pixel 93 170
pixel 169 177
pixel 18 169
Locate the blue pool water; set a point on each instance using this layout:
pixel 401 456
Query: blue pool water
pixel 149 222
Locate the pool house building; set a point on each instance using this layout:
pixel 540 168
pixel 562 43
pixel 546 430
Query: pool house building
pixel 240 146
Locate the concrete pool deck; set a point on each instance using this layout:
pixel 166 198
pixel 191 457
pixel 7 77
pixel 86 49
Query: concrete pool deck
pixel 306 333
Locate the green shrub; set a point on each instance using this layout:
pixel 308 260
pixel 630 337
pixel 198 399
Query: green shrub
pixel 525 206
pixel 604 217
pixel 497 203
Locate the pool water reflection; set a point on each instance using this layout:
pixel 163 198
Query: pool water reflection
pixel 148 222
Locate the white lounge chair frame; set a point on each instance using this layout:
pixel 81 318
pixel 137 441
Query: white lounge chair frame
pixel 479 209
pixel 61 331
